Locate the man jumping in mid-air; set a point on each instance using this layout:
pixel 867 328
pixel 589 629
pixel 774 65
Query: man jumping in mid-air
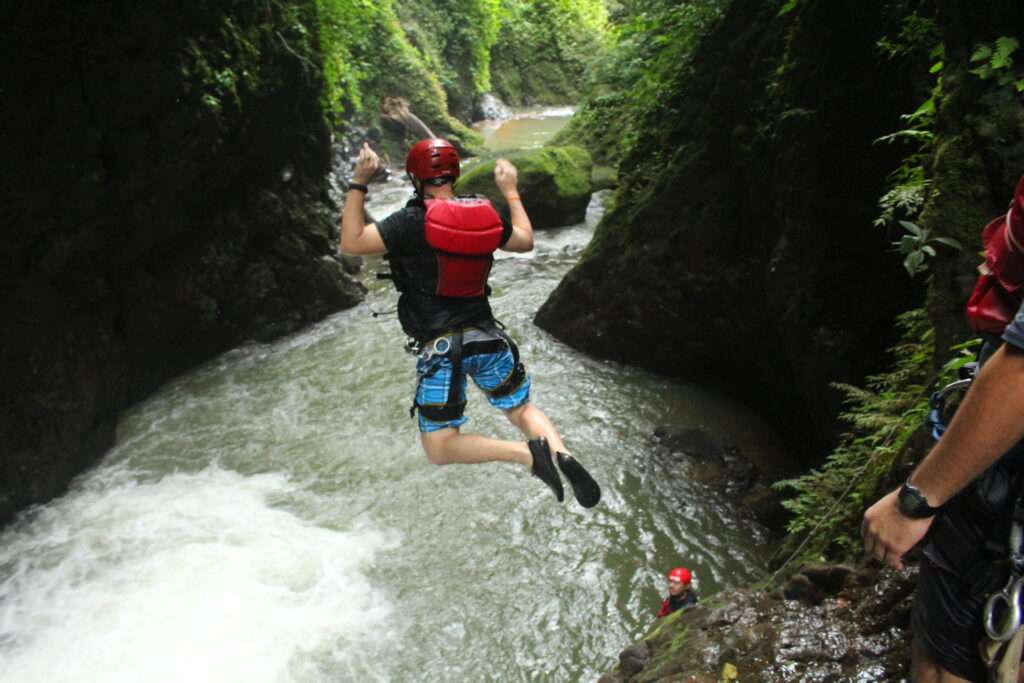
pixel 441 250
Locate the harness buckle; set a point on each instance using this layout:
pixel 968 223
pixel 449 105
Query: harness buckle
pixel 441 346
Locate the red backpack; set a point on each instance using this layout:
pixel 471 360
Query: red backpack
pixel 998 292
pixel 465 233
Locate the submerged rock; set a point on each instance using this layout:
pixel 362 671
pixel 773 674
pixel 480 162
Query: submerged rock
pixel 554 184
pixel 702 457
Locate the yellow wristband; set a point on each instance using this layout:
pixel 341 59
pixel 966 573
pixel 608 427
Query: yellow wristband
pixel 513 198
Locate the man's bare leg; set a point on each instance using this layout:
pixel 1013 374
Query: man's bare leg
pixel 532 422
pixel 450 446
pixel 923 669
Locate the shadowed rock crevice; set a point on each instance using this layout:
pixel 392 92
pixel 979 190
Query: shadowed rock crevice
pixel 166 201
pixel 740 250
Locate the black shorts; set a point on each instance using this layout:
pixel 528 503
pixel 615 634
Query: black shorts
pixel 957 577
pixel 946 621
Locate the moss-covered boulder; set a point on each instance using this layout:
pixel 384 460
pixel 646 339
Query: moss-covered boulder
pixel 554 183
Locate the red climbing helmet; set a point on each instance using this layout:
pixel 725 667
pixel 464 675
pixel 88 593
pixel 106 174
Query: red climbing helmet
pixel 432 158
pixel 680 574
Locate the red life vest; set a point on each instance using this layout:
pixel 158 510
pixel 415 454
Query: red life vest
pixel 464 233
pixel 999 290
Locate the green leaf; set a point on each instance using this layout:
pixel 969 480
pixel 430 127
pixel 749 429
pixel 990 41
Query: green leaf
pixel 936 68
pixel 928 250
pixel 912 228
pixel 949 242
pixel 907 244
pixel 922 115
pixel 982 53
pixel 914 263
pixel 788 7
pixel 1005 47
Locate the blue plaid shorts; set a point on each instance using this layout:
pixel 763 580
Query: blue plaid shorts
pixel 488 371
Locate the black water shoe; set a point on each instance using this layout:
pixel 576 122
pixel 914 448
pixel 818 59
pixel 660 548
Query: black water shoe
pixel 586 490
pixel 544 466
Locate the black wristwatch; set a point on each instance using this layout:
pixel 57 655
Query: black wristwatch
pixel 913 503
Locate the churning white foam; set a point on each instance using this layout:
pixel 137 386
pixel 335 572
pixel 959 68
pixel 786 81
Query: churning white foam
pixel 194 577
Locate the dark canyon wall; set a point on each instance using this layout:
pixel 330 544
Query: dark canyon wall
pixel 740 250
pixel 163 200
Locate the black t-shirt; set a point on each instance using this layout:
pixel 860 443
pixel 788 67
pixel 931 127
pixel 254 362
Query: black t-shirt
pixel 422 313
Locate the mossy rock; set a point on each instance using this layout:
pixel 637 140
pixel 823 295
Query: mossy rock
pixel 554 183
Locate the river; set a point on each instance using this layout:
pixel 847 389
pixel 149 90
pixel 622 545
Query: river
pixel 270 517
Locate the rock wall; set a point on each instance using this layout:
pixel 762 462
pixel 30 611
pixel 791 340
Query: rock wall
pixel 740 249
pixel 163 200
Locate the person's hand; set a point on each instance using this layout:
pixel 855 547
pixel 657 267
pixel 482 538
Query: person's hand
pixel 505 176
pixel 889 534
pixel 366 165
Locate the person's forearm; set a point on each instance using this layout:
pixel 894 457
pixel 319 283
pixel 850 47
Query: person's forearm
pixel 517 213
pixel 352 223
pixel 986 425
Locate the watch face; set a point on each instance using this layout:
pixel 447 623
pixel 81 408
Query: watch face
pixel 913 503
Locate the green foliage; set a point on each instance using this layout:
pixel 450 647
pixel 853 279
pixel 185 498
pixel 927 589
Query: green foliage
pixel 916 33
pixel 995 62
pixel 545 49
pixel 918 244
pixel 909 186
pixel 223 66
pixel 368 56
pixel 653 42
pixel 439 55
pixel 454 38
pixel 829 501
pixel 348 58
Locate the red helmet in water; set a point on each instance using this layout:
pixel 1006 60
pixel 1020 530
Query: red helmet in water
pixel 680 574
pixel 432 158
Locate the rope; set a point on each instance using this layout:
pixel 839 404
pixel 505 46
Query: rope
pixel 856 479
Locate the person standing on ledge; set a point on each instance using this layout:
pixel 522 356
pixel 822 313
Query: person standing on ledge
pixel 440 249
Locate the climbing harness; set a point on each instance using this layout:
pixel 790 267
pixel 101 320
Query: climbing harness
pixel 936 418
pixel 454 346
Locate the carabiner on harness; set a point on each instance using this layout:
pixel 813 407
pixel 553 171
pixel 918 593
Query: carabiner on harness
pixel 1002 615
pixel 937 405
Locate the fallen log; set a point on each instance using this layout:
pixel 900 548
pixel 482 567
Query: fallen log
pixel 397 109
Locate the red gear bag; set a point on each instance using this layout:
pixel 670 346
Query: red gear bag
pixel 998 292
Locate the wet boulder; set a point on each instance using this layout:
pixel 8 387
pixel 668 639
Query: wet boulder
pixel 554 184
pixel 756 635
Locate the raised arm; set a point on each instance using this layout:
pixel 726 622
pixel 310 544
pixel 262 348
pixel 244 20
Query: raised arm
pixel 506 178
pixel 359 238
